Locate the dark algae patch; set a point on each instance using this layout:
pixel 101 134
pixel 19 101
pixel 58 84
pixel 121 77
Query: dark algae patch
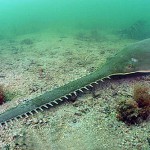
pixel 27 41
pixel 5 95
pixel 2 97
pixel 135 110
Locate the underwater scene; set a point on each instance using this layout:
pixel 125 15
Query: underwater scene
pixel 74 74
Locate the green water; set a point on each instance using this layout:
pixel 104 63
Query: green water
pixel 45 44
pixel 18 17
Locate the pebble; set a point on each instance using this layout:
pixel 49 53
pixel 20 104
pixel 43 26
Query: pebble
pixel 148 140
pixel 35 121
pixel 78 114
pixel 74 120
pixel 28 122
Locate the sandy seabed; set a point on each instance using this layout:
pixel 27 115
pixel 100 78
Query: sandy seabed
pixel 33 64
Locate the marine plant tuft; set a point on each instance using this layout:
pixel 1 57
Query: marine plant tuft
pixel 142 95
pixel 2 97
pixel 137 109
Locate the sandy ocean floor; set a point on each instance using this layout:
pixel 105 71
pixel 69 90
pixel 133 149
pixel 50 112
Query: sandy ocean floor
pixel 35 63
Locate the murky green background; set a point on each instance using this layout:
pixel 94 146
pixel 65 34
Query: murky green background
pixel 27 16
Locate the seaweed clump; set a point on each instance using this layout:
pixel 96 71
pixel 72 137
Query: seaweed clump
pixel 142 97
pixel 137 109
pixel 2 97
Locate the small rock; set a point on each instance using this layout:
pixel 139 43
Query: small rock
pixel 148 139
pixel 45 120
pixel 78 114
pixel 35 121
pixel 113 87
pixel 40 121
pixel 74 120
pixel 28 122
